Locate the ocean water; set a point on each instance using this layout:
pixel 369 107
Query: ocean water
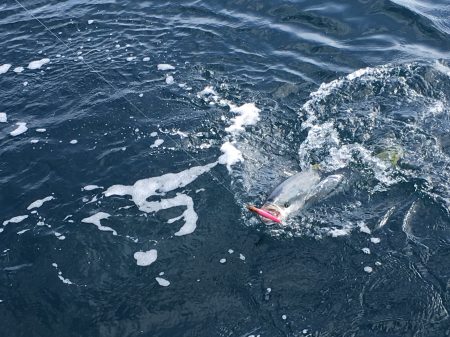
pixel 133 134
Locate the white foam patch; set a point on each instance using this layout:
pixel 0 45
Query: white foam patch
pixel 73 141
pixel 248 114
pixel 157 143
pixel 34 141
pixel 90 22
pixel 145 188
pixel 3 117
pixel 231 155
pixel 60 276
pixel 40 202
pixel 223 261
pixel 438 107
pixel 165 66
pixel 95 220
pixel 15 219
pixel 146 258
pixel 59 236
pixel 375 240
pixel 21 128
pixel 154 134
pixel 64 280
pixel 366 250
pixel 18 70
pixel 169 79
pixel 146 59
pixel 363 228
pixel 4 68
pixel 41 130
pixel 131 58
pixel 162 282
pixel 90 187
pixel 368 269
pixel 38 64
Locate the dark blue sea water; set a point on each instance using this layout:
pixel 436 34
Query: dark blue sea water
pixel 145 127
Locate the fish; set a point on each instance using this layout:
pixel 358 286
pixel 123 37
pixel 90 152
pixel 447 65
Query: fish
pixel 296 192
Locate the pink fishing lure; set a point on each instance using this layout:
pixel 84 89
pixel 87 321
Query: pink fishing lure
pixel 263 213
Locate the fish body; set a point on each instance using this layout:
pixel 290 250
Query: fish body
pixel 298 191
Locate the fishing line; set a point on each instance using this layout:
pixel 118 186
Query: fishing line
pixel 126 99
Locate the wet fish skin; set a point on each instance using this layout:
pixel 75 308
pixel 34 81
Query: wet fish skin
pixel 306 187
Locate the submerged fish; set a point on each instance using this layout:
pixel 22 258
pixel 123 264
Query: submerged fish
pixel 294 193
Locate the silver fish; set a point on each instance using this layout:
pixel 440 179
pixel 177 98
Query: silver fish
pixel 298 191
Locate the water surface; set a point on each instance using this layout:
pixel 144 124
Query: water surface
pixel 123 217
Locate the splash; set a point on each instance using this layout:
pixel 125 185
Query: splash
pixel 381 127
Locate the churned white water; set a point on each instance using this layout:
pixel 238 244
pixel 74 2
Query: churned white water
pixel 247 114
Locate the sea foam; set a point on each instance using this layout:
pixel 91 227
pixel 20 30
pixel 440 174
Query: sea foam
pixel 4 68
pixel 143 189
pixel 95 220
pixel 146 258
pixel 21 128
pixel 38 64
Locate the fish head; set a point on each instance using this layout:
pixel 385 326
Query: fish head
pixel 273 209
pixel 268 213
